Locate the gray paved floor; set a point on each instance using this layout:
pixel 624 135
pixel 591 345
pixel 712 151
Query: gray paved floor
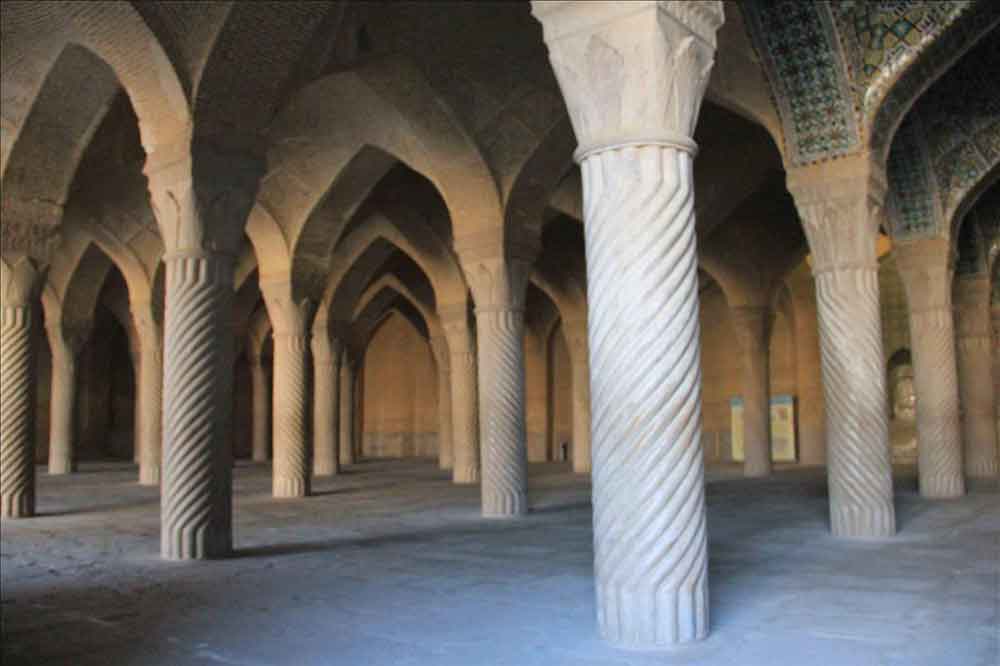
pixel 391 564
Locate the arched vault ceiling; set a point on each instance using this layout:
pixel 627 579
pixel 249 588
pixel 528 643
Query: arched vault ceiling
pixel 979 235
pixel 832 64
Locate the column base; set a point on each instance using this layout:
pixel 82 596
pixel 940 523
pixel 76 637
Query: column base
pixel 857 521
pixel 504 505
pixel 650 619
pixel 942 486
pixel 581 468
pixel 17 505
pixel 324 469
pixel 982 469
pixel 60 467
pixel 445 465
pixel 756 471
pixel 195 546
pixel 149 475
pixel 260 458
pixel 285 487
pixel 465 475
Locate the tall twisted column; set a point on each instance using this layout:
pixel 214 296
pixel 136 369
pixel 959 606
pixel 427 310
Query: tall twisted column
pixel 464 395
pixel 326 404
pixel 65 342
pixel 201 195
pixel 442 359
pixel 18 282
pixel 150 393
pixel 633 75
pixel 751 324
pixel 291 318
pixel 975 373
pixel 925 269
pixel 576 332
pixel 347 456
pixel 840 204
pixel 498 284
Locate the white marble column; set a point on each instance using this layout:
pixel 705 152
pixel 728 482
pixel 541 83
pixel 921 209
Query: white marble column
pixel 347 449
pixel 751 324
pixel 840 203
pixel 975 373
pixel 498 283
pixel 326 404
pixel 292 319
pixel 925 269
pixel 19 278
pixel 65 342
pixel 149 393
pixel 633 76
pixel 464 395
pixel 576 334
pixel 442 358
pixel 261 409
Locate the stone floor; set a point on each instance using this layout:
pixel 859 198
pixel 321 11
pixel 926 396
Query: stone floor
pixel 391 564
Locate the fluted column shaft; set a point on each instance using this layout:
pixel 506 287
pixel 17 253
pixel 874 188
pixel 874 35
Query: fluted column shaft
pixel 65 346
pixel 751 325
pixel 925 269
pixel 464 398
pixel 501 397
pixel 442 359
pixel 580 360
pixel 633 76
pixel 841 207
pixel 347 456
pixel 196 491
pixel 975 373
pixel 17 411
pixel 261 409
pixel 326 406
pixel 149 394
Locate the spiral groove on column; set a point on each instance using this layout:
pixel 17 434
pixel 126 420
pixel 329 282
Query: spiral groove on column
pixel 650 538
pixel 196 511
pixel 17 423
pixel 465 434
pixel 860 474
pixel 151 400
pixel 978 425
pixel 291 453
pixel 939 444
pixel 261 410
pixel 504 454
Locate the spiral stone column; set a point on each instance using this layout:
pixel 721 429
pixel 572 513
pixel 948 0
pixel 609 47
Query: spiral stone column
pixel 291 319
pixel 751 324
pixel 498 283
pixel 149 394
pixel 464 393
pixel 840 204
pixel 975 373
pixel 196 495
pixel 925 269
pixel 65 342
pixel 576 332
pixel 633 76
pixel 442 357
pixel 326 404
pixel 347 456
pixel 18 283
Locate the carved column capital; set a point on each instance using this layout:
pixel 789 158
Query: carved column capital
pixel 326 350
pixel 752 325
pixel 202 192
pixel 20 278
pixel 841 205
pixel 925 267
pixel 291 317
pixel 632 73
